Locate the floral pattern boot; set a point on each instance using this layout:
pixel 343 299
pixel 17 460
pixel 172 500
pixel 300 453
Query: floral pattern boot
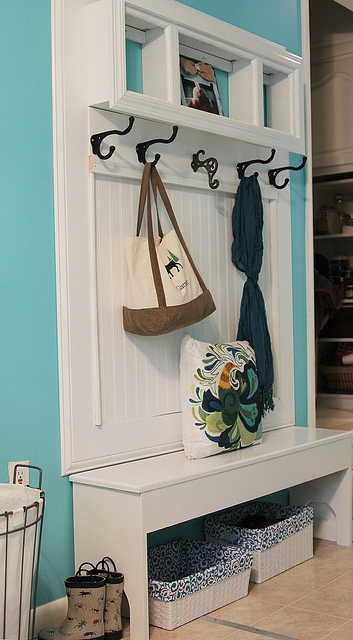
pixel 85 614
pixel 112 610
pixel 113 599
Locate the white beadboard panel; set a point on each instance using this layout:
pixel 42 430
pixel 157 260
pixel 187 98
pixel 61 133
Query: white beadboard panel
pixel 139 377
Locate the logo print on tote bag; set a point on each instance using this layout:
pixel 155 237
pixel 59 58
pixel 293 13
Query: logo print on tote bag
pixel 173 263
pixel 168 252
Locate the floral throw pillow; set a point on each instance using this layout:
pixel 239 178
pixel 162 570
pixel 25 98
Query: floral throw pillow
pixel 220 397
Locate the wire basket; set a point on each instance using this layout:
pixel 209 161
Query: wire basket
pixel 339 378
pixel 21 523
pixel 189 578
pixel 284 540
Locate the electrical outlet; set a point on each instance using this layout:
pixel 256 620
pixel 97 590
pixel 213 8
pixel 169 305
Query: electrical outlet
pixel 22 473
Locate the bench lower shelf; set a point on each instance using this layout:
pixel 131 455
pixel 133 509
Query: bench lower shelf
pixel 116 507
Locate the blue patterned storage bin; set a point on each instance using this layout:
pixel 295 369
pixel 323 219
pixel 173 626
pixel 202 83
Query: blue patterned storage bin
pixel 285 542
pixel 189 578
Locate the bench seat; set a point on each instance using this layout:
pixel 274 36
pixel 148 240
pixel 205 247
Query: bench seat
pixel 115 507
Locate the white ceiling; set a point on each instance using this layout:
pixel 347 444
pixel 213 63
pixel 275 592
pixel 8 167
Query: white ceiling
pixel 346 3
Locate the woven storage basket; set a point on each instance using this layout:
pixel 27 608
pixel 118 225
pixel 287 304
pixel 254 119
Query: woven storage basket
pixel 189 578
pixel 276 547
pixel 339 379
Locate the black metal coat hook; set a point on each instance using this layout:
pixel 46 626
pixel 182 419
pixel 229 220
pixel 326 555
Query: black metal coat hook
pixel 211 166
pixel 97 139
pixel 142 147
pixel 273 173
pixel 241 166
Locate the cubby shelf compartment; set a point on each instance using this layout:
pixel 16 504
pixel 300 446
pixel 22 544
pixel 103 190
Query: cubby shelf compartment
pixel 165 29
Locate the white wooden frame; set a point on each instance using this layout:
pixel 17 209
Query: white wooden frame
pixel 77 341
pixel 309 236
pixel 162 27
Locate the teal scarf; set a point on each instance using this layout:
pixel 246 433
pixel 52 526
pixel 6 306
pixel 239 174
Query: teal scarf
pixel 247 252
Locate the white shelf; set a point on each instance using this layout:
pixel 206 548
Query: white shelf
pixel 333 236
pixel 335 402
pixel 335 339
pixel 164 29
pixel 326 394
pixel 331 180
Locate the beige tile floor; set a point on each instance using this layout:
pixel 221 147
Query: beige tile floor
pixel 312 601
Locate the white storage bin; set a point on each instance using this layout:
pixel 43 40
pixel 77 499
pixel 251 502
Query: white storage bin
pixel 21 513
pixel 285 542
pixel 189 578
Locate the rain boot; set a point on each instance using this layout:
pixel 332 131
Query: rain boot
pixel 113 598
pixel 85 614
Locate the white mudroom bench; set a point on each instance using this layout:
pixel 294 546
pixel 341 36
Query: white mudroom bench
pixel 115 507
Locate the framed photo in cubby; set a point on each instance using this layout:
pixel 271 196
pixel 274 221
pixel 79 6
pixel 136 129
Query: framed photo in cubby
pixel 198 86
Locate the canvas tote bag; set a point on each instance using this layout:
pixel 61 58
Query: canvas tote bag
pixel 163 289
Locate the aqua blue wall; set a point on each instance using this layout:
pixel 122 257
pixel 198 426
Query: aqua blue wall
pixel 276 20
pixel 28 353
pixel 297 194
pixel 28 357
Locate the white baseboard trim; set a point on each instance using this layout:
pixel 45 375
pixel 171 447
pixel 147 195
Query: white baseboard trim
pixel 50 615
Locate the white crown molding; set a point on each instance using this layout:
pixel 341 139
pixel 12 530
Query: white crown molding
pixel 346 77
pixel 336 50
pixel 346 3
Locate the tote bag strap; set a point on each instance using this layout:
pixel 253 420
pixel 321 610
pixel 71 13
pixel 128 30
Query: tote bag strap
pixel 157 182
pixel 157 279
pixel 154 189
pixel 142 200
pixel 145 195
